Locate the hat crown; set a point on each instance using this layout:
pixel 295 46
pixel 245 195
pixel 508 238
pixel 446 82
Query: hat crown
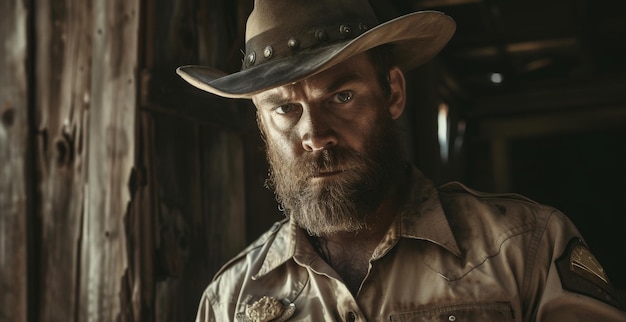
pixel 282 28
pixel 293 16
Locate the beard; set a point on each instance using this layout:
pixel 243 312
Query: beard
pixel 341 202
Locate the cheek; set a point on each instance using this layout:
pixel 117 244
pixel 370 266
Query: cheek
pixel 281 137
pixel 282 143
pixel 356 138
pixel 357 134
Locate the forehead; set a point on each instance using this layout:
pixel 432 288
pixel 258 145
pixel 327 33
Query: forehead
pixel 356 68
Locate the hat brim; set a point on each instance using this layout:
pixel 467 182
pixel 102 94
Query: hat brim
pixel 417 37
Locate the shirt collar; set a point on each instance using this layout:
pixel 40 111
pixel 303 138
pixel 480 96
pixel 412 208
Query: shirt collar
pixel 423 218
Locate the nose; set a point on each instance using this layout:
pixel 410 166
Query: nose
pixel 316 131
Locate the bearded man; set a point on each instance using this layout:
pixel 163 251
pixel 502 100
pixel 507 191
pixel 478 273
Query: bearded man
pixel 367 236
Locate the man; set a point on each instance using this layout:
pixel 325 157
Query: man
pixel 368 238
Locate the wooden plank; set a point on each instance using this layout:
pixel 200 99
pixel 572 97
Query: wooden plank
pixel 554 97
pixel 223 180
pixel 197 162
pixel 553 123
pixel 63 35
pixel 13 161
pixel 201 211
pixel 105 289
pixel 141 224
pixel 176 171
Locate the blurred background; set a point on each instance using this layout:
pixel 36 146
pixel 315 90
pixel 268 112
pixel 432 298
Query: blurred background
pixel 123 189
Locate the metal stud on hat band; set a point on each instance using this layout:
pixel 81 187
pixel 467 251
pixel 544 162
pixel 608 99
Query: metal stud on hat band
pixel 273 47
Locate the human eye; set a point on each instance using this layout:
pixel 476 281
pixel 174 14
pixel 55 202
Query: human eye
pixel 344 96
pixel 284 109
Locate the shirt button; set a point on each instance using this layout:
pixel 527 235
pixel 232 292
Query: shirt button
pixel 452 318
pixel 351 317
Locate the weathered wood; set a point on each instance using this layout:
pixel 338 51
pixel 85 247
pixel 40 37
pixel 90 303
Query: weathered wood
pixel 201 214
pixel 196 168
pixel 105 289
pixel 13 161
pixel 178 187
pixel 224 183
pixel 63 37
pixel 141 224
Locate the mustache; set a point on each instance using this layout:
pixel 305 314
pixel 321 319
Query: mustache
pixel 291 174
pixel 328 160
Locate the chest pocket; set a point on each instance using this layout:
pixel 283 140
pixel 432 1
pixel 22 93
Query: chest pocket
pixel 495 311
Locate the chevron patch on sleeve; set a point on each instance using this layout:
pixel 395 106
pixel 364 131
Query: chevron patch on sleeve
pixel 581 273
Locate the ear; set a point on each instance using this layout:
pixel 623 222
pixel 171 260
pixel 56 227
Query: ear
pixel 397 97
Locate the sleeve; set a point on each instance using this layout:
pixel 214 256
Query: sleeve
pixel 576 288
pixel 205 310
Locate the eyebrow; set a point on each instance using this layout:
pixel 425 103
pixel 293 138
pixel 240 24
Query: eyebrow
pixel 342 81
pixel 276 99
pixel 272 99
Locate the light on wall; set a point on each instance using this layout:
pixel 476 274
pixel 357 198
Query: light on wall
pixel 443 131
pixel 496 78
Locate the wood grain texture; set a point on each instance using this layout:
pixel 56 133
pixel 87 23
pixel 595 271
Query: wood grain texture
pixel 104 255
pixel 13 161
pixel 63 61
pixel 196 168
pixel 86 102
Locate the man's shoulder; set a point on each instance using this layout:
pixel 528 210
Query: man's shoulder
pixel 456 192
pixel 458 189
pixel 486 225
pixel 252 255
pixel 222 294
pixel 507 213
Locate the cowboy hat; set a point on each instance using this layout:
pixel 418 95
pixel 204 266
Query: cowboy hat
pixel 289 40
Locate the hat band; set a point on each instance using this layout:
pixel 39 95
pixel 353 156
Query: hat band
pixel 263 47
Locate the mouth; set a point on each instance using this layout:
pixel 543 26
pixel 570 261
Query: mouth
pixel 327 174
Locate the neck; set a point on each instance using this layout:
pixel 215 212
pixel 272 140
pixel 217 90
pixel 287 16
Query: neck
pixel 349 253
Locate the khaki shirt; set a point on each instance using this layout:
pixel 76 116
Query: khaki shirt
pixel 452 254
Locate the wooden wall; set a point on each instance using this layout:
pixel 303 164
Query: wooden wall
pixel 194 157
pixel 123 189
pixel 14 157
pixel 86 91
